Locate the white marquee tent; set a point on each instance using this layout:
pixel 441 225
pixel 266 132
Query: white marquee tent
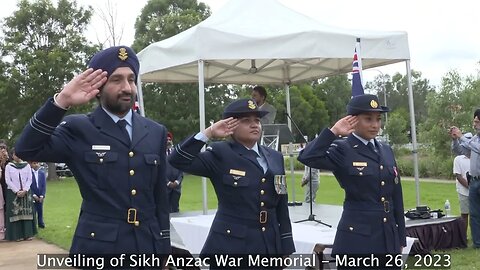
pixel 264 42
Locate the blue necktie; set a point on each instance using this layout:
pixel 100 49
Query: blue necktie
pixel 372 147
pixel 122 124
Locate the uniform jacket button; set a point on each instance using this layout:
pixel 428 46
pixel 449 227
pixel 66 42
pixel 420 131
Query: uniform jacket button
pixel 262 191
pixel 228 231
pixel 130 154
pixel 101 160
pixel 92 234
pixel 381 167
pixel 134 192
pixel 384 219
pixel 137 223
pixel 382 183
pixel 382 199
pixel 262 204
pixel 235 183
pixel 132 172
pixel 263 180
pixel 263 229
pixel 360 173
pixel 350 228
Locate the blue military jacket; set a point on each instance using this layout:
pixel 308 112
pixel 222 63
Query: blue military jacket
pixel 373 218
pixel 39 186
pixel 172 175
pixel 124 207
pixel 251 217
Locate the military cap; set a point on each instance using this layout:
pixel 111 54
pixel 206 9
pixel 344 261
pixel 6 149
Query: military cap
pixel 114 57
pixel 365 103
pixel 241 108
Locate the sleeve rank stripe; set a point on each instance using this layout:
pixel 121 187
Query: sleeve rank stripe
pixel 179 151
pixel 37 128
pixel 48 126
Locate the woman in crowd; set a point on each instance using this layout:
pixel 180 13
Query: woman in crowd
pixel 19 201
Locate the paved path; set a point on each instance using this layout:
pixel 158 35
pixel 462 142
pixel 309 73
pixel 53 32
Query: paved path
pixel 23 255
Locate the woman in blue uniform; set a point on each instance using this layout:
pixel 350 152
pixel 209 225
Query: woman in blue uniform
pixel 373 220
pixel 252 215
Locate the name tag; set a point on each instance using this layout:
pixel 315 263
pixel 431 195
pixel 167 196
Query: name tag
pixel 101 147
pixel 359 164
pixel 237 172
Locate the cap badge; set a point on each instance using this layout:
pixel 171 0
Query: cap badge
pixel 122 54
pixel 251 105
pixel 373 104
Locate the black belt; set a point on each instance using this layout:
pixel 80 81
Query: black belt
pixel 385 206
pixel 264 217
pixel 130 215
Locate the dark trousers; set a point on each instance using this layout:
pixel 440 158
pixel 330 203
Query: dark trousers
pixel 39 213
pixel 174 201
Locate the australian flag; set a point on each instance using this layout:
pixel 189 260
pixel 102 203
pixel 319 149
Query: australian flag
pixel 357 84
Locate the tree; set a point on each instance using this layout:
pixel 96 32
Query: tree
pixel 113 30
pixel 335 92
pixel 397 128
pixel 174 105
pixel 43 47
pixel 161 19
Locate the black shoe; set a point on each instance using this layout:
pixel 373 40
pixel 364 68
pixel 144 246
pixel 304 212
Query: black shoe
pixel 41 226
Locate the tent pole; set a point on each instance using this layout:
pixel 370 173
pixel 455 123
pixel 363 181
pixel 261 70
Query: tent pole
pixel 290 146
pixel 140 96
pixel 413 132
pixel 201 107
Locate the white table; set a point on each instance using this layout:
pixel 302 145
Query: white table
pixel 193 231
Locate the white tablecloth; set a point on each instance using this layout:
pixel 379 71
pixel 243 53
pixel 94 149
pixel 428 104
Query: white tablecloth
pixel 193 231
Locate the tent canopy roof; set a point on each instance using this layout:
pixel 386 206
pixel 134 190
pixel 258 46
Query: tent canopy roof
pixel 262 42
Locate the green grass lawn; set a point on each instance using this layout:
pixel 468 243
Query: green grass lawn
pixel 63 203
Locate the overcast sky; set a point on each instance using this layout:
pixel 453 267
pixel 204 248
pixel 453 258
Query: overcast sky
pixel 443 35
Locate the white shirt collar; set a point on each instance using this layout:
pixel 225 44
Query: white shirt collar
pixel 115 118
pixel 255 148
pixel 363 140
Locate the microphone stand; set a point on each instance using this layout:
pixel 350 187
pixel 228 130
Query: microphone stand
pixel 311 217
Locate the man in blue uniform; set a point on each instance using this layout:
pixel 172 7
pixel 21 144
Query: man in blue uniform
pixel 38 188
pixel 174 180
pixel 249 180
pixel 117 157
pixel 372 221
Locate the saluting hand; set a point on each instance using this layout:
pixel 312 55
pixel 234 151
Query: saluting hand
pixel 82 88
pixel 345 126
pixel 222 128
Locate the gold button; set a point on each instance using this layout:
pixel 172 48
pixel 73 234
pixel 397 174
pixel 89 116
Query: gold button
pixel 381 167
pixel 132 172
pixel 382 199
pixel 101 160
pixel 130 154
pixel 350 228
pixel 155 162
pixel 262 204
pixel 262 192
pixel 228 231
pixel 134 192
pixel 382 183
pixel 384 219
pixel 235 183
pixel 92 234
pixel 263 229
pixel 263 180
pixel 360 173
pixel 137 223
